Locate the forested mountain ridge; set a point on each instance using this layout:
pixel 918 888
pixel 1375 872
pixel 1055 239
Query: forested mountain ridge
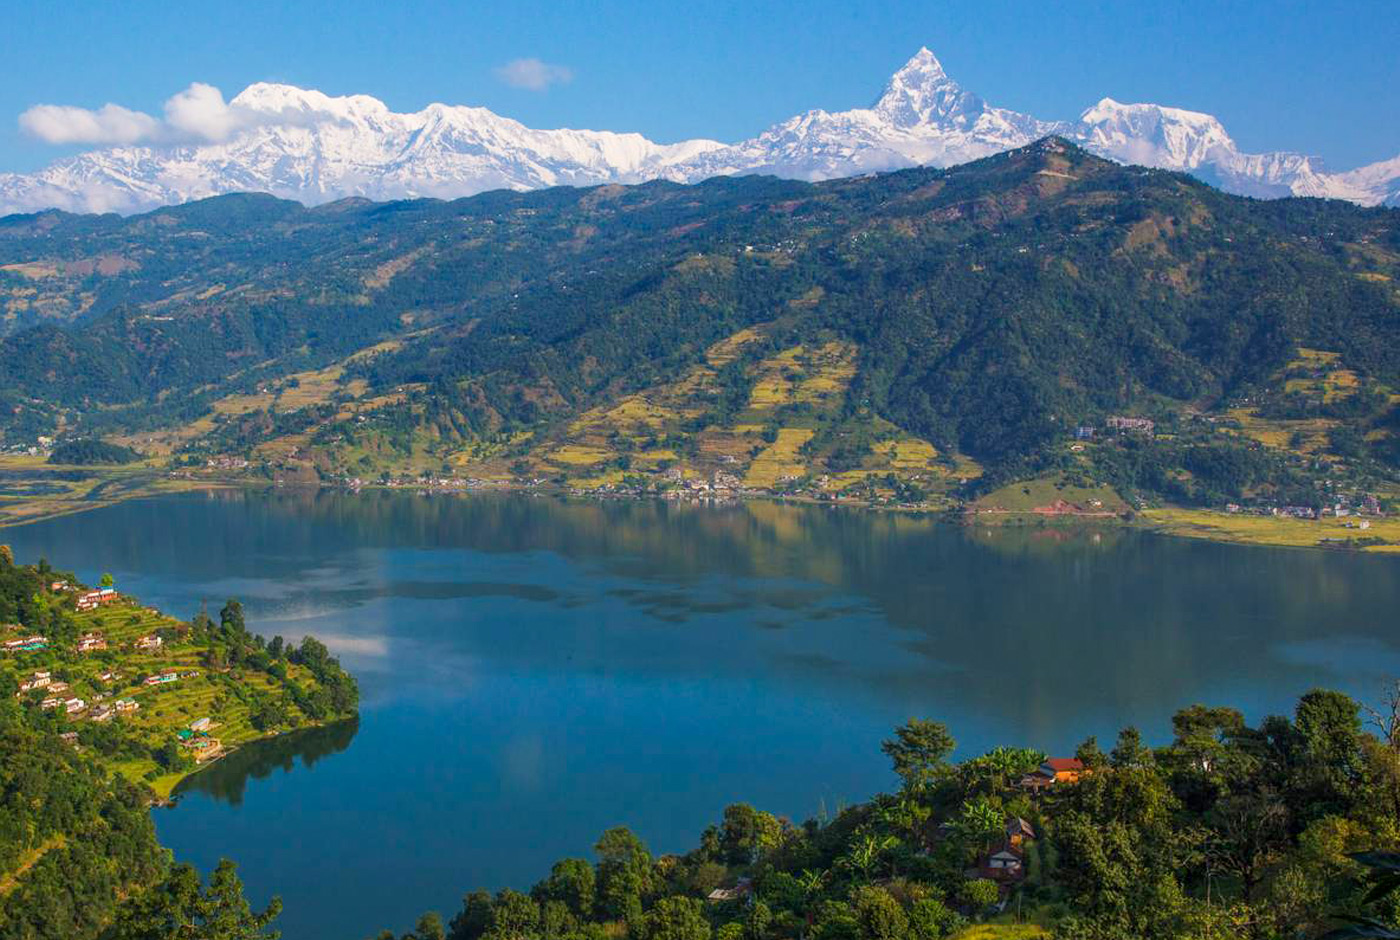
pixel 914 327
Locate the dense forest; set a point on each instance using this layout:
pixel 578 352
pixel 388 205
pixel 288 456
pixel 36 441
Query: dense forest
pixel 989 309
pixel 1277 830
pixel 79 453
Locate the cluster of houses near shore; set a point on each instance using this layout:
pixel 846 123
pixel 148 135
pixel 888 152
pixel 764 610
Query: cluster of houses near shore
pixel 199 742
pixel 1354 509
pixel 56 696
pixel 101 597
pixel 56 691
pixel 1006 864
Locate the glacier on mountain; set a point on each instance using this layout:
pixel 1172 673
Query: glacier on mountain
pixel 305 145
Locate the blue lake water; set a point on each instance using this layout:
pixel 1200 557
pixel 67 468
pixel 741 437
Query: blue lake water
pixel 536 670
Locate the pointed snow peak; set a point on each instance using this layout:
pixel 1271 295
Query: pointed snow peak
pixel 1101 110
pixel 924 64
pixel 922 93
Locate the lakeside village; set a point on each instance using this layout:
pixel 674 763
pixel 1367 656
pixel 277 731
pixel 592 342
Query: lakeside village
pixel 724 479
pixel 107 702
pixel 726 483
pixel 1006 864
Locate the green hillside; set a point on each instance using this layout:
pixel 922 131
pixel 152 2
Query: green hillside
pixel 104 707
pixel 926 336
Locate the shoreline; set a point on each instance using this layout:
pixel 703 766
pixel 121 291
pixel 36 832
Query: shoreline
pixel 1326 534
pixel 171 797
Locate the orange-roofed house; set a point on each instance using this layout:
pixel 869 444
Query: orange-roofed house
pixel 1063 769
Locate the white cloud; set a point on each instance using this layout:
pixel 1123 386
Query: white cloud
pixel 199 114
pixel 110 124
pixel 534 75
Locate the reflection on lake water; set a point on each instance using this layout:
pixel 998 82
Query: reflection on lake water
pixel 535 670
pixel 227 779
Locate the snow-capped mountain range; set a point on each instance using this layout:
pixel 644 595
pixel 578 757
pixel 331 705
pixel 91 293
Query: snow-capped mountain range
pixel 308 146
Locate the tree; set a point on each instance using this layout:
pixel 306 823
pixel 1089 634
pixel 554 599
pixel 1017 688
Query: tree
pixel 979 822
pixel 1129 751
pixel 1329 729
pixel 979 893
pixel 759 919
pixel 429 927
pixel 930 919
pixel 878 915
pixel 231 618
pixel 107 580
pixel 1090 755
pixel 624 871
pixel 571 882
pixel 474 919
pixel 676 918
pixel 920 751
pixel 177 909
pixel 513 916
pixel 864 853
pixel 1250 828
pixel 746 833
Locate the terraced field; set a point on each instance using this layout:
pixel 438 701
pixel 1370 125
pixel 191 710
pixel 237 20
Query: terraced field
pixel 794 402
pixel 226 697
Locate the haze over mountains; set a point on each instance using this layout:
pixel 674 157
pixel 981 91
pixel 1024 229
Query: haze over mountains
pixel 305 145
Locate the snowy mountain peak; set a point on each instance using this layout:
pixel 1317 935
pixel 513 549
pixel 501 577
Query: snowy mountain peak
pixel 922 93
pixel 304 144
pixel 922 67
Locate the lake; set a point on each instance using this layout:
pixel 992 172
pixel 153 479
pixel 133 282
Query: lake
pixel 535 670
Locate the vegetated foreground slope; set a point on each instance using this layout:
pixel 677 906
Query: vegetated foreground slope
pixel 1230 830
pixel 104 706
pixel 921 332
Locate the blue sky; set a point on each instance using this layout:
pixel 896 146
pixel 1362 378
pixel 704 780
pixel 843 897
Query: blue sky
pixel 1323 78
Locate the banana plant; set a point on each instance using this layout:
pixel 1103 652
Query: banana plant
pixel 1385 878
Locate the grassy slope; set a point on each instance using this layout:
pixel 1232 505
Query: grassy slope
pixel 165 709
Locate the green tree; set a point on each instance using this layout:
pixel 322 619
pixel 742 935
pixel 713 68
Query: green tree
pixel 676 918
pixel 1329 730
pixel 624 872
pixel 759 919
pixel 429 927
pixel 474 919
pixel 979 893
pixel 930 919
pixel 919 752
pixel 106 580
pixel 746 833
pixel 572 882
pixel 878 915
pixel 231 618
pixel 514 916
pixel 178 910
pixel 864 854
pixel 979 822
pixel 1129 751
